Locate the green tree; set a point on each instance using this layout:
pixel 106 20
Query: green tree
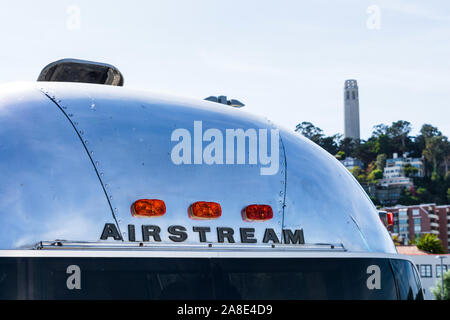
pixel 409 170
pixel 380 163
pixel 364 150
pixel 340 155
pixel 429 131
pixel 310 131
pixel 375 175
pixel 316 135
pixel 435 150
pixel 396 240
pixel 330 143
pixel 347 145
pixel 399 131
pixel 429 243
pixel 437 291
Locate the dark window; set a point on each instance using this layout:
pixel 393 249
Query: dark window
pixel 201 278
pixel 408 285
pixel 353 95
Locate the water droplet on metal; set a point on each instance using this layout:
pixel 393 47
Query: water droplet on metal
pixel 102 174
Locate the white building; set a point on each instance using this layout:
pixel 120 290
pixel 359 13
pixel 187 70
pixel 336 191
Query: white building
pixel 351 163
pixel 394 171
pixel 428 266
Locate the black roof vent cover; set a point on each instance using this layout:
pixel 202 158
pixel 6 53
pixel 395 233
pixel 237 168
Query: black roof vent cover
pixel 74 70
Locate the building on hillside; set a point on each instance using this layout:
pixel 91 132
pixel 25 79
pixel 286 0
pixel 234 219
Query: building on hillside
pixel 388 195
pixel 412 221
pixel 351 163
pixel 394 174
pixel 428 267
pixel 396 165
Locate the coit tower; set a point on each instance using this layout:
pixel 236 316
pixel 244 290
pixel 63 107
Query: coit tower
pixel 351 110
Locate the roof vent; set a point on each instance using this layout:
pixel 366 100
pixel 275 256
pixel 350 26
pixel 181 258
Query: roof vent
pixel 223 99
pixel 74 70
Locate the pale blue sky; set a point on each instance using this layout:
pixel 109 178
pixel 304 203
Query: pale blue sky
pixel 286 60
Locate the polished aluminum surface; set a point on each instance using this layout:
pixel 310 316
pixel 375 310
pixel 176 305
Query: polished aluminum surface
pixel 48 189
pixel 67 133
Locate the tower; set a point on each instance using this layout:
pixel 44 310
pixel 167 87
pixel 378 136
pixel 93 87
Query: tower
pixel 351 109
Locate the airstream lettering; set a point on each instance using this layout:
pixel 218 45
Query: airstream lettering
pixel 224 234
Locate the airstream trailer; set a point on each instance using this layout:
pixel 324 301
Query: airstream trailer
pixel 111 193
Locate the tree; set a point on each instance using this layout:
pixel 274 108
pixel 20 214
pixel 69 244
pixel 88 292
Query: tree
pixel 375 175
pixel 437 291
pixel 429 243
pixel 316 135
pixel 310 131
pixel 409 170
pixel 330 143
pixel 347 145
pixel 399 133
pixel 429 131
pixel 380 129
pixel 340 155
pixel 435 150
pixel 396 240
pixel 364 151
pixel 380 163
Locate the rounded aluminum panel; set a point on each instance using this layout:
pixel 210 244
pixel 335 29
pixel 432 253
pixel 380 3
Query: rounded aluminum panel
pixel 48 188
pixel 326 201
pixel 127 134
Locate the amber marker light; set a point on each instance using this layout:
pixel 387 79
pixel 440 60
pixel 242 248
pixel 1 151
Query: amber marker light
pixel 257 212
pixel 148 208
pixel 203 210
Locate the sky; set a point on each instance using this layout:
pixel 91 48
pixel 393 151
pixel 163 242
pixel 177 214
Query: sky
pixel 286 60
